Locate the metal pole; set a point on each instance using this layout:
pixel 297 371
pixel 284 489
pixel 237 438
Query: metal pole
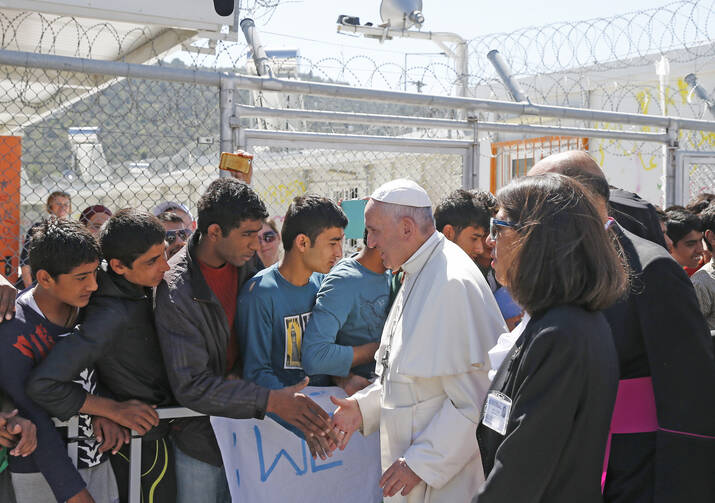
pixel 253 39
pixel 226 111
pixel 506 76
pixel 470 171
pixel 462 63
pixel 430 123
pixel 63 63
pixel 670 150
pixel 476 153
pixel 135 469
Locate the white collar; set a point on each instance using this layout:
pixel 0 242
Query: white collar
pixel 418 259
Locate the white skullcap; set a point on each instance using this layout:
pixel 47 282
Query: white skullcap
pixel 403 192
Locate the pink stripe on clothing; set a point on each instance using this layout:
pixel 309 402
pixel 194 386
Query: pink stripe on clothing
pixel 634 412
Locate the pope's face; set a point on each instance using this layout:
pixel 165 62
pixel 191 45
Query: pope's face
pixel 383 233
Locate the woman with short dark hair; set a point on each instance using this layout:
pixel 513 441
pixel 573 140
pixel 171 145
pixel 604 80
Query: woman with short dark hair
pixel 545 422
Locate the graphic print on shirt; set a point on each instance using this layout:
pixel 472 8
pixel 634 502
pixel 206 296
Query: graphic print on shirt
pixel 88 454
pixel 294 328
pixel 88 448
pixel 35 345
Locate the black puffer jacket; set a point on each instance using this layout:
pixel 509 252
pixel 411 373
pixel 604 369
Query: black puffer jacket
pixel 117 338
pixel 194 334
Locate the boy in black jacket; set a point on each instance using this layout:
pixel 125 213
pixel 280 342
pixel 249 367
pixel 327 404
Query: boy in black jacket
pixel 117 337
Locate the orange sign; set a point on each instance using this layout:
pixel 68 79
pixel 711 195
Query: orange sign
pixel 10 155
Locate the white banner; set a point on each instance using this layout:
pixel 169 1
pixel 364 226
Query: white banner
pixel 266 462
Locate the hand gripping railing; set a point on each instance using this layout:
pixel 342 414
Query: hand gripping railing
pixel 135 446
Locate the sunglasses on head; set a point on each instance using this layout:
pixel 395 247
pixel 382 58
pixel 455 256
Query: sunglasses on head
pixel 183 234
pixel 495 224
pixel 268 236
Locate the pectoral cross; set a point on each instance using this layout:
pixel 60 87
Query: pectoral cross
pixel 385 360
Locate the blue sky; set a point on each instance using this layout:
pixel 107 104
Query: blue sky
pixel 295 21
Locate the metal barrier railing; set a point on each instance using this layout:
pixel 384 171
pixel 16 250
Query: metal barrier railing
pixel 135 451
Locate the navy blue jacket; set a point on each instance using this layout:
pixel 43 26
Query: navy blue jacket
pixel 24 342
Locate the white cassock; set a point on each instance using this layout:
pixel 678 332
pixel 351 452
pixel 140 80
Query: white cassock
pixel 428 402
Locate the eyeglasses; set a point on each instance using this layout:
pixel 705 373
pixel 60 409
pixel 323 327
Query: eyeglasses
pixel 183 234
pixel 268 236
pixel 494 225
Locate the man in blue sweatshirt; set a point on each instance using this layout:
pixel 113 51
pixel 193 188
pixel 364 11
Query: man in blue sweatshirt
pixel 275 305
pixel 346 323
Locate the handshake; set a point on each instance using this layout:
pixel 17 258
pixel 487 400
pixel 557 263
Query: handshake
pixel 323 434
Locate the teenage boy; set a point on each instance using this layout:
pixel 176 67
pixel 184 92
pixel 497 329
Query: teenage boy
pixel 64 257
pixel 274 307
pixel 686 231
pixel 195 314
pixel 346 323
pixel 464 221
pixel 117 337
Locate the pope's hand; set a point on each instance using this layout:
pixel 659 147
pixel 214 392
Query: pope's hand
pixel 347 419
pixel 398 477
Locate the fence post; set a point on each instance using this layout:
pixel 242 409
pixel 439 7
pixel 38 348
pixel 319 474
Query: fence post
pixel 135 469
pixel 73 433
pixel 470 168
pixel 226 111
pixel 669 151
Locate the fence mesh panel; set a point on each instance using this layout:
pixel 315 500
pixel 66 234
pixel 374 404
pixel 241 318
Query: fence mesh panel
pixel 282 173
pixel 128 143
pixel 133 142
pixel 701 178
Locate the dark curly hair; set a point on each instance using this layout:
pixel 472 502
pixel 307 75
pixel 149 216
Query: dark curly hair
pixel 310 215
pixel 128 234
pixel 681 223
pixel 463 208
pixel 58 245
pixel 228 202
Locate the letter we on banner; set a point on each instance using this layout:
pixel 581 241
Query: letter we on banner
pixel 266 462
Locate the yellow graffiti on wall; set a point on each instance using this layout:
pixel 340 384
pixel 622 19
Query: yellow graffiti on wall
pixel 651 164
pixel 643 98
pixel 282 193
pixel 683 90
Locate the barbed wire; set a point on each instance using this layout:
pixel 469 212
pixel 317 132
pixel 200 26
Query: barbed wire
pixel 603 63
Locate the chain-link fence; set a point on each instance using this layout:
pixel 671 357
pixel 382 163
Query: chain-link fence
pixel 131 143
pixel 695 175
pixel 134 142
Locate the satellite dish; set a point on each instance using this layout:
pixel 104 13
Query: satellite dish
pixel 402 14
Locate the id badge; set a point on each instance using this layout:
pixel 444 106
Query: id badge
pixel 496 412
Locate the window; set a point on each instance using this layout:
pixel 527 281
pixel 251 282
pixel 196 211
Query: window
pixel 512 159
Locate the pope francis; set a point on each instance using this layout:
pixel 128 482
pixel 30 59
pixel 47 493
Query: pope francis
pixel 432 362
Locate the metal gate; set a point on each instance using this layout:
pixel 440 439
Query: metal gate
pixel 287 164
pixel 694 173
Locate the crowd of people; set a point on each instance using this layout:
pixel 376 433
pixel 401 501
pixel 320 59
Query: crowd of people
pixel 551 343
